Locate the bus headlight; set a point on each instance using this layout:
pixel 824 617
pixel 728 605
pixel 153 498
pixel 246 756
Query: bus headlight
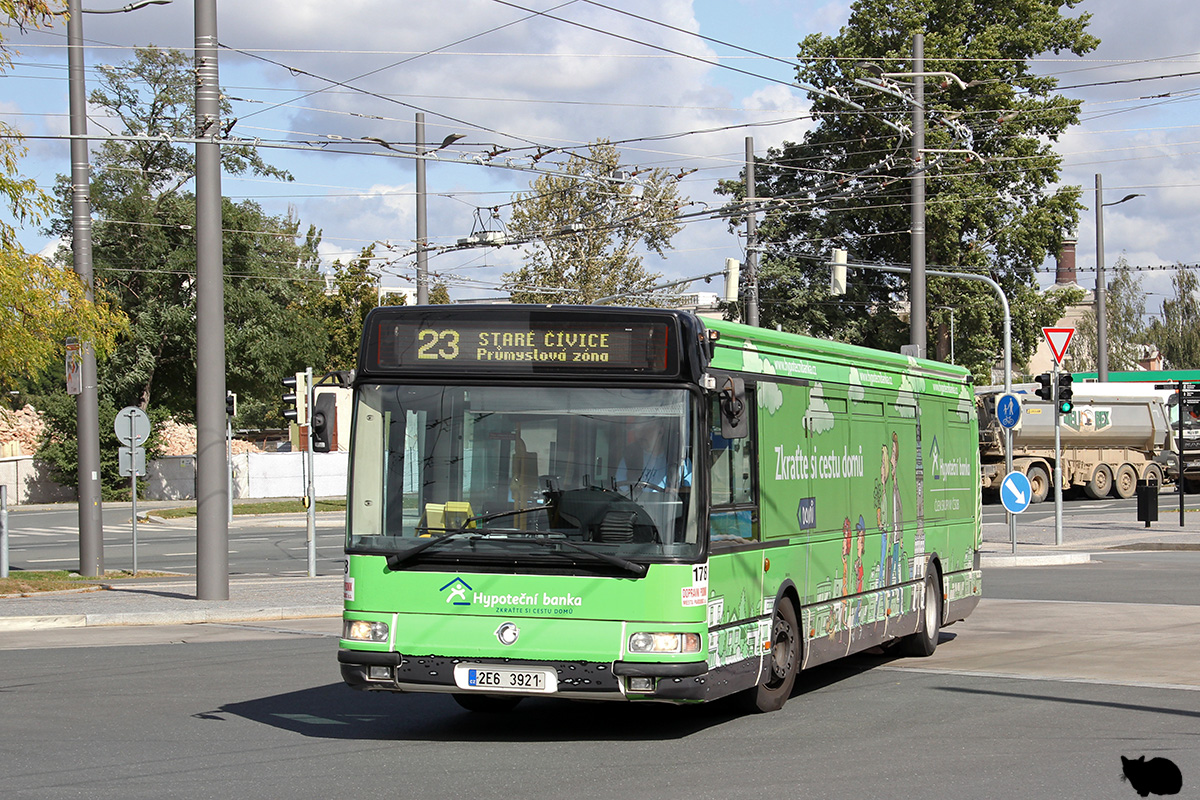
pixel 361 630
pixel 664 643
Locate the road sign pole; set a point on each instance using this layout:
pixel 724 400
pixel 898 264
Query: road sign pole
pixel 1058 520
pixel 1181 482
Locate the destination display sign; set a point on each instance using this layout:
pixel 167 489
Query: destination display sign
pixel 547 342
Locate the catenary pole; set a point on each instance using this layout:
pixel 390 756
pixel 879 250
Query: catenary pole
pixel 212 522
pixel 91 527
pixel 422 223
pixel 916 292
pixel 751 239
pixel 1101 287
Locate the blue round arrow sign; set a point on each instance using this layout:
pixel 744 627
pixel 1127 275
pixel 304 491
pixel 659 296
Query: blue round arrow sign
pixel 1015 492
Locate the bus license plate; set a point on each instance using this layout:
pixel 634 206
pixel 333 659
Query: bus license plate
pixel 495 678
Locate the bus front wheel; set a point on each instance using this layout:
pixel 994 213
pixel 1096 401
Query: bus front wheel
pixel 783 660
pixel 925 640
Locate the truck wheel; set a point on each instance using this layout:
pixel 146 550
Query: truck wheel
pixel 1039 482
pixel 1153 474
pixel 1100 484
pixel 1126 482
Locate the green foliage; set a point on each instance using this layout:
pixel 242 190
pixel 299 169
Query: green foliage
pixel 1177 334
pixel 1125 310
pixel 355 291
pixel 59 447
pixel 847 184
pixel 144 254
pixel 40 304
pixel 585 230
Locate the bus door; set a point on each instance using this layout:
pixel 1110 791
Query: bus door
pixel 735 564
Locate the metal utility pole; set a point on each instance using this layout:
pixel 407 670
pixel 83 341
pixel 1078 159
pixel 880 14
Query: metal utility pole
pixel 91 526
pixel 751 239
pixel 310 488
pixel 422 224
pixel 1058 458
pixel 916 293
pixel 1101 286
pixel 212 487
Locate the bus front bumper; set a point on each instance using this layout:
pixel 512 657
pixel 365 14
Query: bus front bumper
pixel 619 680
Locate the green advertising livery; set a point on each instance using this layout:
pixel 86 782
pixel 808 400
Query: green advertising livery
pixel 637 504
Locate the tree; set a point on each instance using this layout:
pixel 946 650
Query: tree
pixel 847 184
pixel 1125 311
pixel 1177 334
pixel 354 292
pixel 40 304
pixel 144 253
pixel 584 230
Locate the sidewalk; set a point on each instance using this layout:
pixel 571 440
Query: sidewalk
pixel 171 601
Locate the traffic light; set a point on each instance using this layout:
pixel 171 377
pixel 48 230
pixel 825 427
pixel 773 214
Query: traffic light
pixel 1065 379
pixel 294 395
pixel 324 421
pixel 1045 388
pixel 230 405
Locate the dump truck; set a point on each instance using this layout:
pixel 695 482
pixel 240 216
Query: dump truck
pixel 1191 445
pixel 1115 436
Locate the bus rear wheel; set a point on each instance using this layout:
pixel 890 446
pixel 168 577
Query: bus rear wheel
pixel 925 640
pixel 783 661
pixel 487 703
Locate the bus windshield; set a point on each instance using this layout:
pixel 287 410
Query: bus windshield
pixel 505 472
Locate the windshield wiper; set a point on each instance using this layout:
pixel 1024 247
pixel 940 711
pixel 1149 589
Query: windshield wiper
pixel 397 560
pixel 639 570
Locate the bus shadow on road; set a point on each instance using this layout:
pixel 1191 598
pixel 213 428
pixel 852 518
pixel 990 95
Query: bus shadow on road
pixel 334 711
pixel 337 712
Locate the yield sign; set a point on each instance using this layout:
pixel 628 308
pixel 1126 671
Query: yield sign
pixel 1058 339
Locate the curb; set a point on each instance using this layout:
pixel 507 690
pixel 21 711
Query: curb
pixel 1038 560
pixel 144 618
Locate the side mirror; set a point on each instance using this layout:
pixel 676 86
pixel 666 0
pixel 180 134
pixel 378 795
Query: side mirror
pixel 735 417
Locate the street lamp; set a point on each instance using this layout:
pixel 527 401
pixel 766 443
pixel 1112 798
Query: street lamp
pixel 1101 288
pixel 91 531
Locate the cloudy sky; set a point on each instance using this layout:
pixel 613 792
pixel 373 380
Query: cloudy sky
pixel 324 73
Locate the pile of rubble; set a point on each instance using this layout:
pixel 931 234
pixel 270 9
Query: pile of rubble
pixel 19 431
pixel 180 440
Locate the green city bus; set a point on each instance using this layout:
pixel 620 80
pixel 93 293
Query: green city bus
pixel 640 504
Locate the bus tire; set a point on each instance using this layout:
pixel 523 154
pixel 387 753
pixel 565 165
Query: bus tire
pixel 925 640
pixel 1125 485
pixel 1039 482
pixel 783 661
pixel 487 703
pixel 1100 484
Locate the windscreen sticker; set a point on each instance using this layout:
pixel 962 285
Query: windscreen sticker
pixel 697 593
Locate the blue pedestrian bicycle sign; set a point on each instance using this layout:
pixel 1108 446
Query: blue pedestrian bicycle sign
pixel 1015 492
pixel 1008 410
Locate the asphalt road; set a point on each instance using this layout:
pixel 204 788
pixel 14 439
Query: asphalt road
pixel 274 544
pixel 1037 695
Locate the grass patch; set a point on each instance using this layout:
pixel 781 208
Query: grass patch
pixel 33 581
pixel 271 507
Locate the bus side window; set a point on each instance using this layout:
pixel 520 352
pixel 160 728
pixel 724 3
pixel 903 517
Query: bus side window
pixel 730 477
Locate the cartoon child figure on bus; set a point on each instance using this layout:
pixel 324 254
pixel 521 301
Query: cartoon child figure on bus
pixel 880 515
pixel 895 566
